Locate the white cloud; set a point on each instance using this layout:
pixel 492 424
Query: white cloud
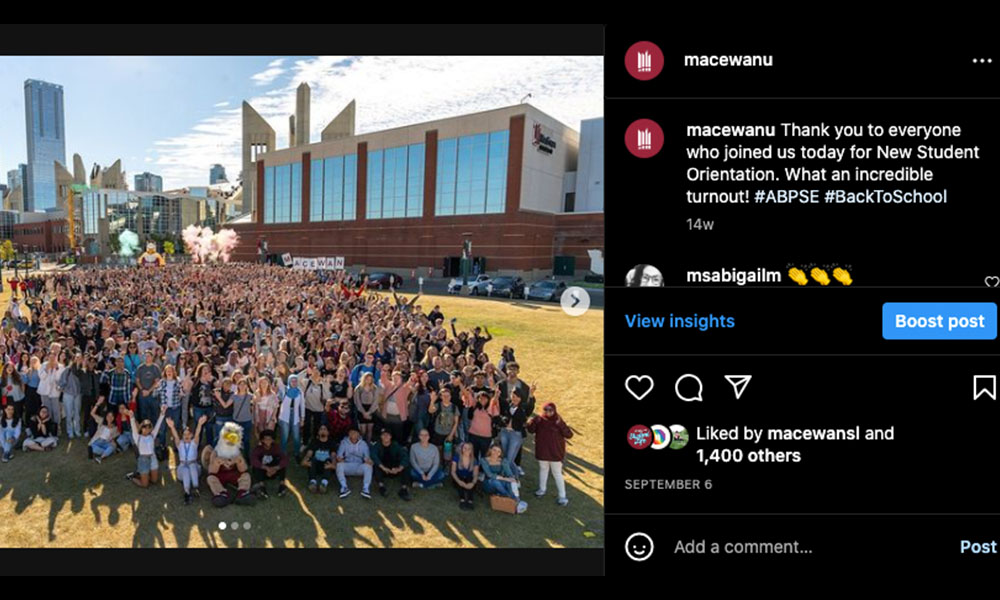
pixel 390 92
pixel 220 104
pixel 268 75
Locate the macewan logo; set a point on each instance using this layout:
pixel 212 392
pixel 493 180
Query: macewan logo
pixel 542 139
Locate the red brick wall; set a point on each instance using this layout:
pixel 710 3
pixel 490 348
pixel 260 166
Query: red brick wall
pixel 44 236
pixel 518 241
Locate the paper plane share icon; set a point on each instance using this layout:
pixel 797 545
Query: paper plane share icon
pixel 739 383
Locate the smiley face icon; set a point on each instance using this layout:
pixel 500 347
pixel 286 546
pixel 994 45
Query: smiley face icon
pixel 639 546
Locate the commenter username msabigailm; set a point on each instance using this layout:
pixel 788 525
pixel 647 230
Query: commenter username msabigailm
pixel 672 321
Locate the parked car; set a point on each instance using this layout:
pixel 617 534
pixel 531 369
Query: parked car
pixel 384 281
pixel 478 287
pixel 508 287
pixel 455 285
pixel 546 289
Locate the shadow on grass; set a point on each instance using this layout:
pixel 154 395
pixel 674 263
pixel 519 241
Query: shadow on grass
pixel 91 505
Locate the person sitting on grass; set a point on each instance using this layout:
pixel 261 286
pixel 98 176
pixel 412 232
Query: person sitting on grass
pixel 102 443
pixel 465 474
pixel 500 479
pixel 425 463
pixel 144 436
pixel 320 459
pixel 10 431
pixel 391 461
pixel 187 456
pixel 268 461
pixel 354 459
pixel 43 433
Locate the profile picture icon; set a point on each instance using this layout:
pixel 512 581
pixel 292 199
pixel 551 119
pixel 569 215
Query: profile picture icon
pixel 644 276
pixel 640 437
pixel 678 437
pixel 644 60
pixel 644 138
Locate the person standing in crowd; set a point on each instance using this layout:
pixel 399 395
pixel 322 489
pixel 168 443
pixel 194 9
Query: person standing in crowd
pixel 69 383
pixel 147 378
pixel 203 396
pixel 480 410
pixel 315 393
pixel 266 407
pixel 551 433
pixel 513 418
pixel 32 379
pixel 368 366
pixel 12 388
pixel 132 359
pixel 48 383
pixel 119 385
pixel 444 418
pixel 367 399
pixel 339 420
pixel 168 393
pixel 291 417
pixel 394 411
pixel 90 391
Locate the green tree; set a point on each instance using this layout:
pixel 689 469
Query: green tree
pixel 6 250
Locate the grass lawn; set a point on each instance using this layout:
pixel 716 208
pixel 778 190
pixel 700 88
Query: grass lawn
pixel 60 499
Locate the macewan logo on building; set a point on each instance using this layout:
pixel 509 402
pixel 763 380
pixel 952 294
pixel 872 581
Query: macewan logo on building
pixel 542 139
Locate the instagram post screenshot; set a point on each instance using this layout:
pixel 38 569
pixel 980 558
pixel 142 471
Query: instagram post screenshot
pixel 325 299
pixel 380 300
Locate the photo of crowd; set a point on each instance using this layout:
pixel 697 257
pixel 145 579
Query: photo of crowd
pixel 295 378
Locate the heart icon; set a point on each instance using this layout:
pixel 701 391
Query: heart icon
pixel 639 385
pixel 993 281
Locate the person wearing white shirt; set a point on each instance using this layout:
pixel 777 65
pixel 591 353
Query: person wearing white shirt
pixel 48 383
pixel 144 437
pixel 291 416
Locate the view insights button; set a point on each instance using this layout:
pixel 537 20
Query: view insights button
pixel 939 320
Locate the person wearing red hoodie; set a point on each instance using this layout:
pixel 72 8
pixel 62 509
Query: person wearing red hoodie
pixel 551 433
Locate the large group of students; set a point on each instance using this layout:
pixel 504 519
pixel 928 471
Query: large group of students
pixel 317 380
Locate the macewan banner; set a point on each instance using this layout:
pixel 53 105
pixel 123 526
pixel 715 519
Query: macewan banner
pixel 322 263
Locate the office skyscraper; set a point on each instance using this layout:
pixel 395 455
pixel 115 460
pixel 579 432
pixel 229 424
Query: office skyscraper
pixel 147 182
pixel 43 117
pixel 15 177
pixel 217 175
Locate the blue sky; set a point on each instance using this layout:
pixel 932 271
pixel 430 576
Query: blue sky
pixel 175 116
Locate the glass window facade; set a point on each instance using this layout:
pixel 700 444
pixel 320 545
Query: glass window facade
pixel 396 182
pixel 283 193
pixel 43 103
pixel 333 191
pixel 472 174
